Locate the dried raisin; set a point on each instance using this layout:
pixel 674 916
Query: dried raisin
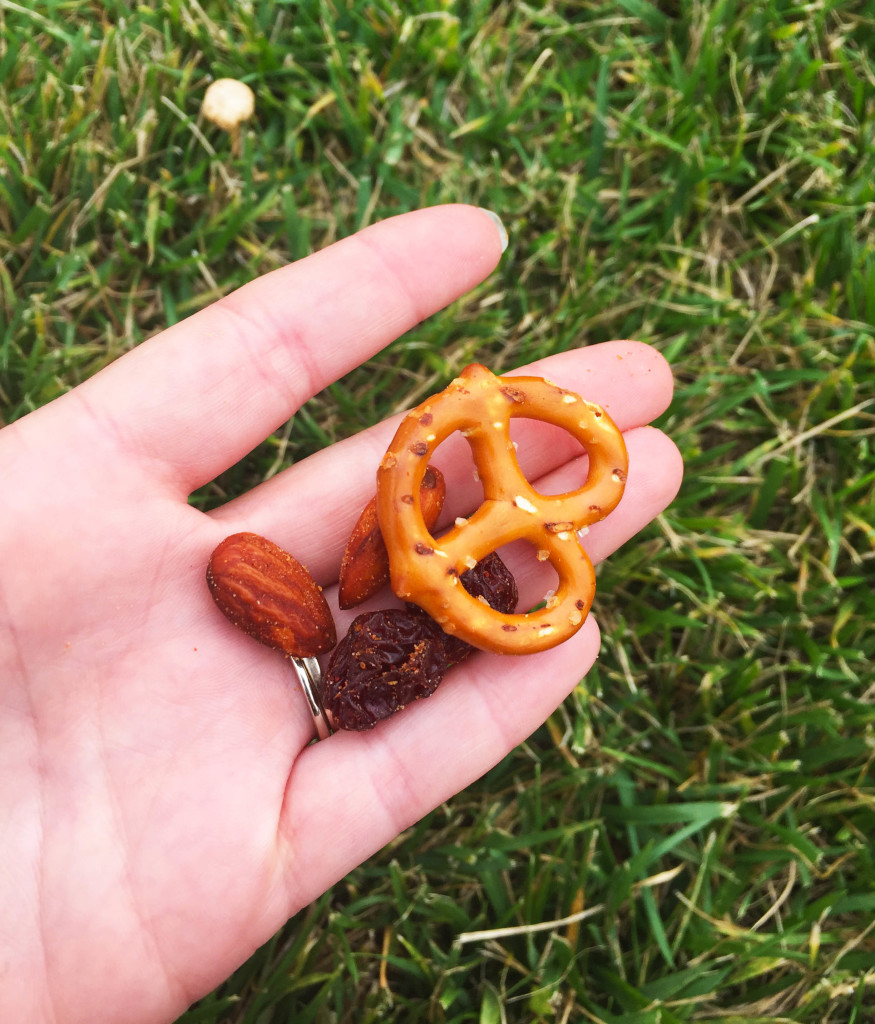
pixel 493 581
pixel 386 660
pixel 392 657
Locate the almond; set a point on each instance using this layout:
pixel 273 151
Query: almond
pixel 365 566
pixel 267 593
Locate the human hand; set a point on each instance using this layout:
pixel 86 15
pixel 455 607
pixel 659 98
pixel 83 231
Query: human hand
pixel 163 813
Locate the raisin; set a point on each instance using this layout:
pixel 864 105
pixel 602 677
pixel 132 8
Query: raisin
pixel 493 581
pixel 386 660
pixel 389 658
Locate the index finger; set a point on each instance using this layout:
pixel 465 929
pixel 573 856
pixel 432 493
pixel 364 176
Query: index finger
pixel 195 399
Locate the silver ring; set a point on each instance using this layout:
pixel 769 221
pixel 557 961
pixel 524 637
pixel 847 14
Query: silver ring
pixel 310 676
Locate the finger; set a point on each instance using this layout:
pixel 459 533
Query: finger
pixel 311 508
pixel 654 477
pixel 655 474
pixel 372 785
pixel 655 471
pixel 195 399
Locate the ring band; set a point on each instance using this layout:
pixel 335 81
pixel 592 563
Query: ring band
pixel 309 676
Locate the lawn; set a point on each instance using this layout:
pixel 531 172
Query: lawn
pixel 689 838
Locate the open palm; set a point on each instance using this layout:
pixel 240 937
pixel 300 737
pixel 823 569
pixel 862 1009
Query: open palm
pixel 162 812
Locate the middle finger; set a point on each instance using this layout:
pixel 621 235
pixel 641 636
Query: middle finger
pixel 310 508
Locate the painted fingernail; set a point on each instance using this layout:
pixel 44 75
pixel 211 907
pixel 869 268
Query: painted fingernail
pixel 496 220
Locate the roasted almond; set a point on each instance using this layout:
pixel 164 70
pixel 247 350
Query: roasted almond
pixel 365 566
pixel 264 591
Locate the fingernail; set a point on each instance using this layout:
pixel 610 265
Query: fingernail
pixel 496 220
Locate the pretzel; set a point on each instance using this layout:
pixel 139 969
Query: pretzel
pixel 426 570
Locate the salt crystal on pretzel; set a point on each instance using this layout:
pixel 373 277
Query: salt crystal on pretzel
pixel 426 570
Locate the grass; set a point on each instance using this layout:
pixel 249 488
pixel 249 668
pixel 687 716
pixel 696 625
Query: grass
pixel 697 820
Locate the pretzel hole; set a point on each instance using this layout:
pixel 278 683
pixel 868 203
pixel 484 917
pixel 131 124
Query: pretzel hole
pixel 464 488
pixel 535 577
pixel 542 449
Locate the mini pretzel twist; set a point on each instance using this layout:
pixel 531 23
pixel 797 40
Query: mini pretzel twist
pixel 426 570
